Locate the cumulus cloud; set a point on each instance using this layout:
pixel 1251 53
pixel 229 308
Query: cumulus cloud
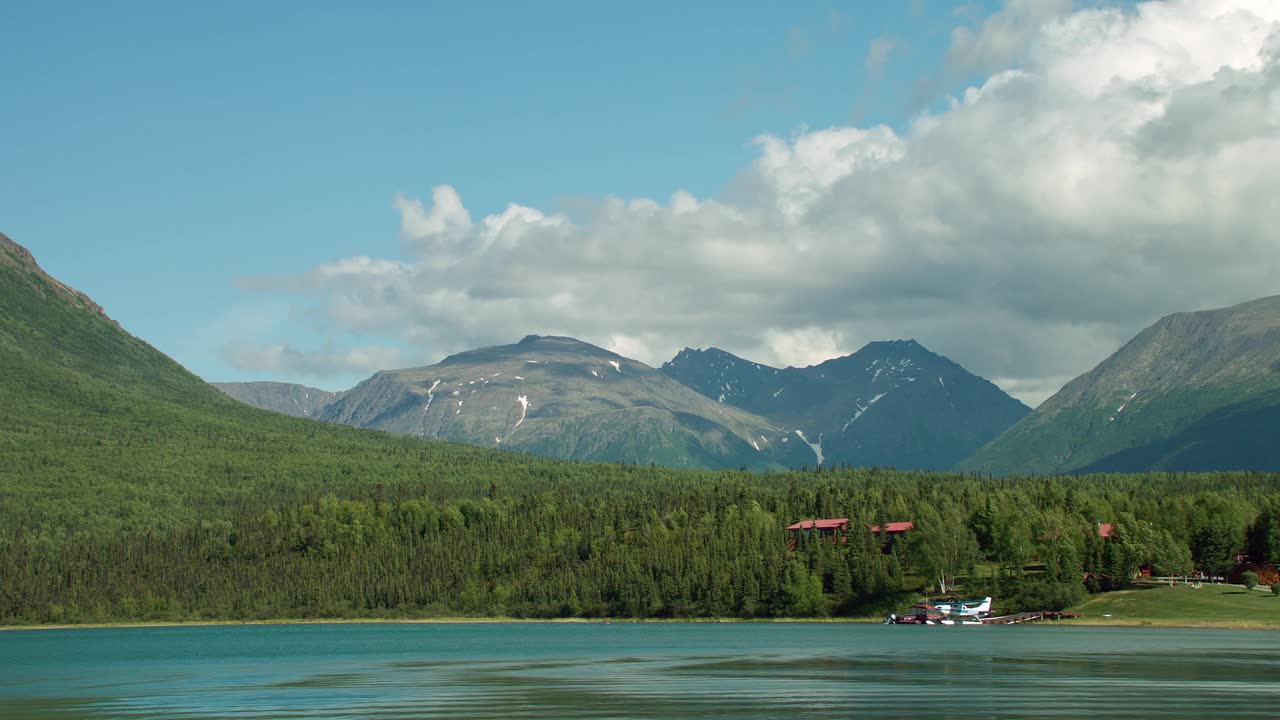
pixel 447 221
pixel 1115 165
pixel 1003 37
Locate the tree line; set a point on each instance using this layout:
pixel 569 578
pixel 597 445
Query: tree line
pixel 564 540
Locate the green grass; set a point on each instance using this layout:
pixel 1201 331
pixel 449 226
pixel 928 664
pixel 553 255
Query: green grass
pixel 1183 606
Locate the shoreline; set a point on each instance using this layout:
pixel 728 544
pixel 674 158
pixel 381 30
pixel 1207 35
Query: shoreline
pixel 1075 622
pixel 442 621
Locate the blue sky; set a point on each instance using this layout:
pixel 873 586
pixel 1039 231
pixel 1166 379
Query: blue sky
pixel 166 158
pixel 157 151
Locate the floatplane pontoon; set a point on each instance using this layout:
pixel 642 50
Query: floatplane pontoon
pixel 958 612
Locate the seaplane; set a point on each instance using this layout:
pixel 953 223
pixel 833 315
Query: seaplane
pixel 965 608
pixel 956 612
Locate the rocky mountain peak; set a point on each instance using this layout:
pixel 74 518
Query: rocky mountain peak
pixel 891 403
pixel 15 255
pixel 18 256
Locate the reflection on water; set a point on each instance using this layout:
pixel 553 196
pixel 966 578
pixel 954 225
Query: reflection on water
pixel 636 671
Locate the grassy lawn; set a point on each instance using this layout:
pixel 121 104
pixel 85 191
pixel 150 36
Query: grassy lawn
pixel 1183 606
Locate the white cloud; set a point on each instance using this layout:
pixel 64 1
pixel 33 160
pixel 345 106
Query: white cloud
pixel 1004 36
pixel 447 221
pixel 637 348
pixel 1116 166
pixel 805 346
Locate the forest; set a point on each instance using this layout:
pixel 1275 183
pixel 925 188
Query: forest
pixel 554 540
pixel 130 490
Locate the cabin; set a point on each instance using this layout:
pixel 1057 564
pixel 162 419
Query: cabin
pixel 894 528
pixel 1105 530
pixel 893 533
pixel 833 530
pixel 836 531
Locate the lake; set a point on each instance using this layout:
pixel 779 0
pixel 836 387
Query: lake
pixel 624 670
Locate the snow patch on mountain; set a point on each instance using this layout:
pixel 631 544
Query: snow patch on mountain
pixel 1123 405
pixel 430 396
pixel 815 447
pixel 861 409
pixel 524 409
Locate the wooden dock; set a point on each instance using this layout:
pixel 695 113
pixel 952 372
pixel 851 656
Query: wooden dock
pixel 1028 617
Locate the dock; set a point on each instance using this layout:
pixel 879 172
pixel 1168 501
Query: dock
pixel 1028 617
pixel 929 616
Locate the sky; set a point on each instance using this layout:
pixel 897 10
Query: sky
pixel 311 192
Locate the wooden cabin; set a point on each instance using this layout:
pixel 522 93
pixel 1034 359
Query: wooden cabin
pixel 832 530
pixel 893 533
pixel 836 531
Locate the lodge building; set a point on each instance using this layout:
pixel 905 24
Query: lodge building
pixel 836 531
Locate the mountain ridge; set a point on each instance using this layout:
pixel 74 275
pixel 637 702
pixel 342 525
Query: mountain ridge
pixel 18 257
pixel 565 398
pixel 884 392
pixel 100 431
pixel 288 398
pixel 1169 378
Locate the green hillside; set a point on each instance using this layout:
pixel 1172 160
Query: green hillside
pixel 98 430
pixel 1193 392
pixel 1183 605
pixel 130 490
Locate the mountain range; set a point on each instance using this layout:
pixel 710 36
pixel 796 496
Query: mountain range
pixel 1195 391
pixel 552 396
pixel 891 403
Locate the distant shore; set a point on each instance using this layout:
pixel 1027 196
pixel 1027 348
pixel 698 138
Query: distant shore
pixel 1074 622
pixel 1148 604
pixel 442 621
pixel 1161 623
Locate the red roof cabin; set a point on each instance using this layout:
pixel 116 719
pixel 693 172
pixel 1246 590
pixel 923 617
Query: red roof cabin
pixel 835 528
pixel 894 528
pixel 893 532
pixel 826 527
pixel 1104 530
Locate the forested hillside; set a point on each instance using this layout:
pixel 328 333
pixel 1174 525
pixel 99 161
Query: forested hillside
pixel 131 490
pixel 100 432
pixel 1194 391
pixel 611 541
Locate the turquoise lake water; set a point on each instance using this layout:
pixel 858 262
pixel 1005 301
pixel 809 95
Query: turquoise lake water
pixel 638 671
